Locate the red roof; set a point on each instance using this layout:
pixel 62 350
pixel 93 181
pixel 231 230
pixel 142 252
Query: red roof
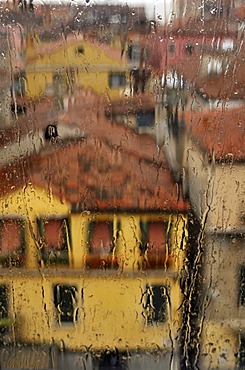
pixel 219 132
pixel 95 175
pixel 112 168
pixel 92 175
pixel 92 114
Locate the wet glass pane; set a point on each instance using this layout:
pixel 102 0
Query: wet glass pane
pixel 122 184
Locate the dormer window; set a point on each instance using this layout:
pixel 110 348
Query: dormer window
pixel 80 50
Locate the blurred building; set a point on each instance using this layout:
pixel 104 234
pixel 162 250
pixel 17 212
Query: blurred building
pixel 57 68
pixel 101 219
pixel 201 113
pixel 12 71
pixel 214 177
pixel 93 239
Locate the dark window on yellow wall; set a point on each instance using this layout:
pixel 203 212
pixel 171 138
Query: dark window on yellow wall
pixel 242 353
pixel 117 79
pixel 242 286
pixel 65 301
pixel 80 50
pixel 153 244
pixel 101 245
pixel 154 302
pixel 3 301
pixel 54 241
pixel 12 242
pixel 4 310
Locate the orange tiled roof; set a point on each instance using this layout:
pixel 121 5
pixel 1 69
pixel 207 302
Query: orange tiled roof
pixel 88 113
pixel 221 132
pixel 92 175
pixel 112 168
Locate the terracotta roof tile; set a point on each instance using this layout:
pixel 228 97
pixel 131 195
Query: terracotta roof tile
pixel 94 175
pixel 97 176
pixel 113 167
pixel 88 112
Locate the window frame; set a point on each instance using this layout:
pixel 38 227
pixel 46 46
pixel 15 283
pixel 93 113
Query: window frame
pixel 79 50
pixel 122 80
pixel 7 259
pixel 59 261
pixel 241 351
pixel 96 260
pixel 142 116
pixel 57 302
pixel 147 302
pixel 144 229
pixel 5 319
pixel 241 287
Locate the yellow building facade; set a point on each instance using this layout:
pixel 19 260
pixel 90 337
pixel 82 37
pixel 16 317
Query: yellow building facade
pixel 59 67
pixel 61 296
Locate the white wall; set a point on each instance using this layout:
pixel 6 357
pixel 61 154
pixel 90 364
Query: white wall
pixel 216 188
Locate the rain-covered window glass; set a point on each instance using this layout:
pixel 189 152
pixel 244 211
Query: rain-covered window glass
pixel 242 352
pixel 122 184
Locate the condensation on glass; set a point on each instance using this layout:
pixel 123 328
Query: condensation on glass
pixel 122 185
